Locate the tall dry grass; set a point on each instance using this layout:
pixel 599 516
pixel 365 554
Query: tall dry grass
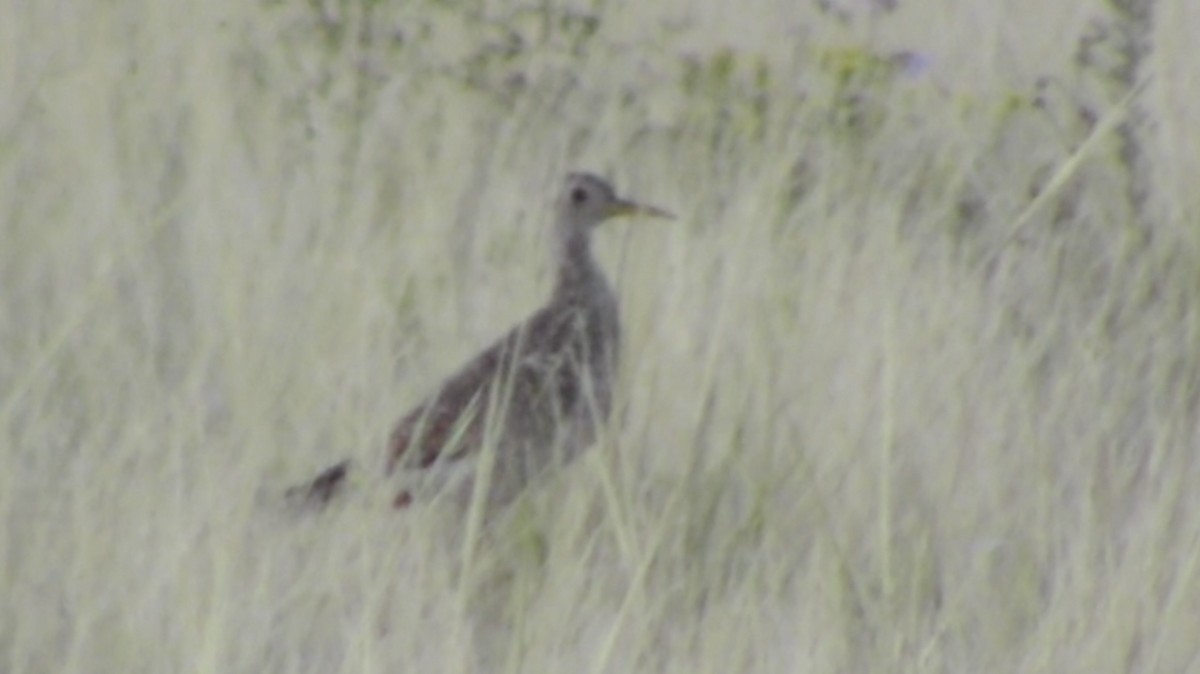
pixel 911 386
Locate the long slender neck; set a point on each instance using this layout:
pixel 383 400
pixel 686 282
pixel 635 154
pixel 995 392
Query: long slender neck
pixel 578 273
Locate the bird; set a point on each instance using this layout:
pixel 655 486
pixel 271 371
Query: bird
pixel 540 393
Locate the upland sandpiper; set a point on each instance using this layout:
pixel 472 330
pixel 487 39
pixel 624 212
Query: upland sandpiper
pixel 538 395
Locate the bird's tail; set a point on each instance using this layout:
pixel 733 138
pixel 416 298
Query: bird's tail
pixel 323 488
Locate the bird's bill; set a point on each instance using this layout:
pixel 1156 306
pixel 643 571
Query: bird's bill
pixel 622 208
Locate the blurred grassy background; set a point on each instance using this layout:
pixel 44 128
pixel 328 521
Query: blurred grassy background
pixel 912 384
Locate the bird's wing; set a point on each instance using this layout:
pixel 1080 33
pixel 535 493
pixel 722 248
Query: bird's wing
pixel 451 421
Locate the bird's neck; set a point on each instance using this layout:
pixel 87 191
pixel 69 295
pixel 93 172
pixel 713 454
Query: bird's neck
pixel 578 274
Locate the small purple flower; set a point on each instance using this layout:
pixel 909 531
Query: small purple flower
pixel 911 63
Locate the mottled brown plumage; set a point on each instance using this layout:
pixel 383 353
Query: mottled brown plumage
pixel 538 395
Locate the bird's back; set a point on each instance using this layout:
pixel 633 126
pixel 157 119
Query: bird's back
pixel 538 395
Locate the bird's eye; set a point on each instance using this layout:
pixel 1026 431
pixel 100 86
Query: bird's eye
pixel 578 196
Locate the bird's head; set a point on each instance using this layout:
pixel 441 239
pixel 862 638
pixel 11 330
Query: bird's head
pixel 588 200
